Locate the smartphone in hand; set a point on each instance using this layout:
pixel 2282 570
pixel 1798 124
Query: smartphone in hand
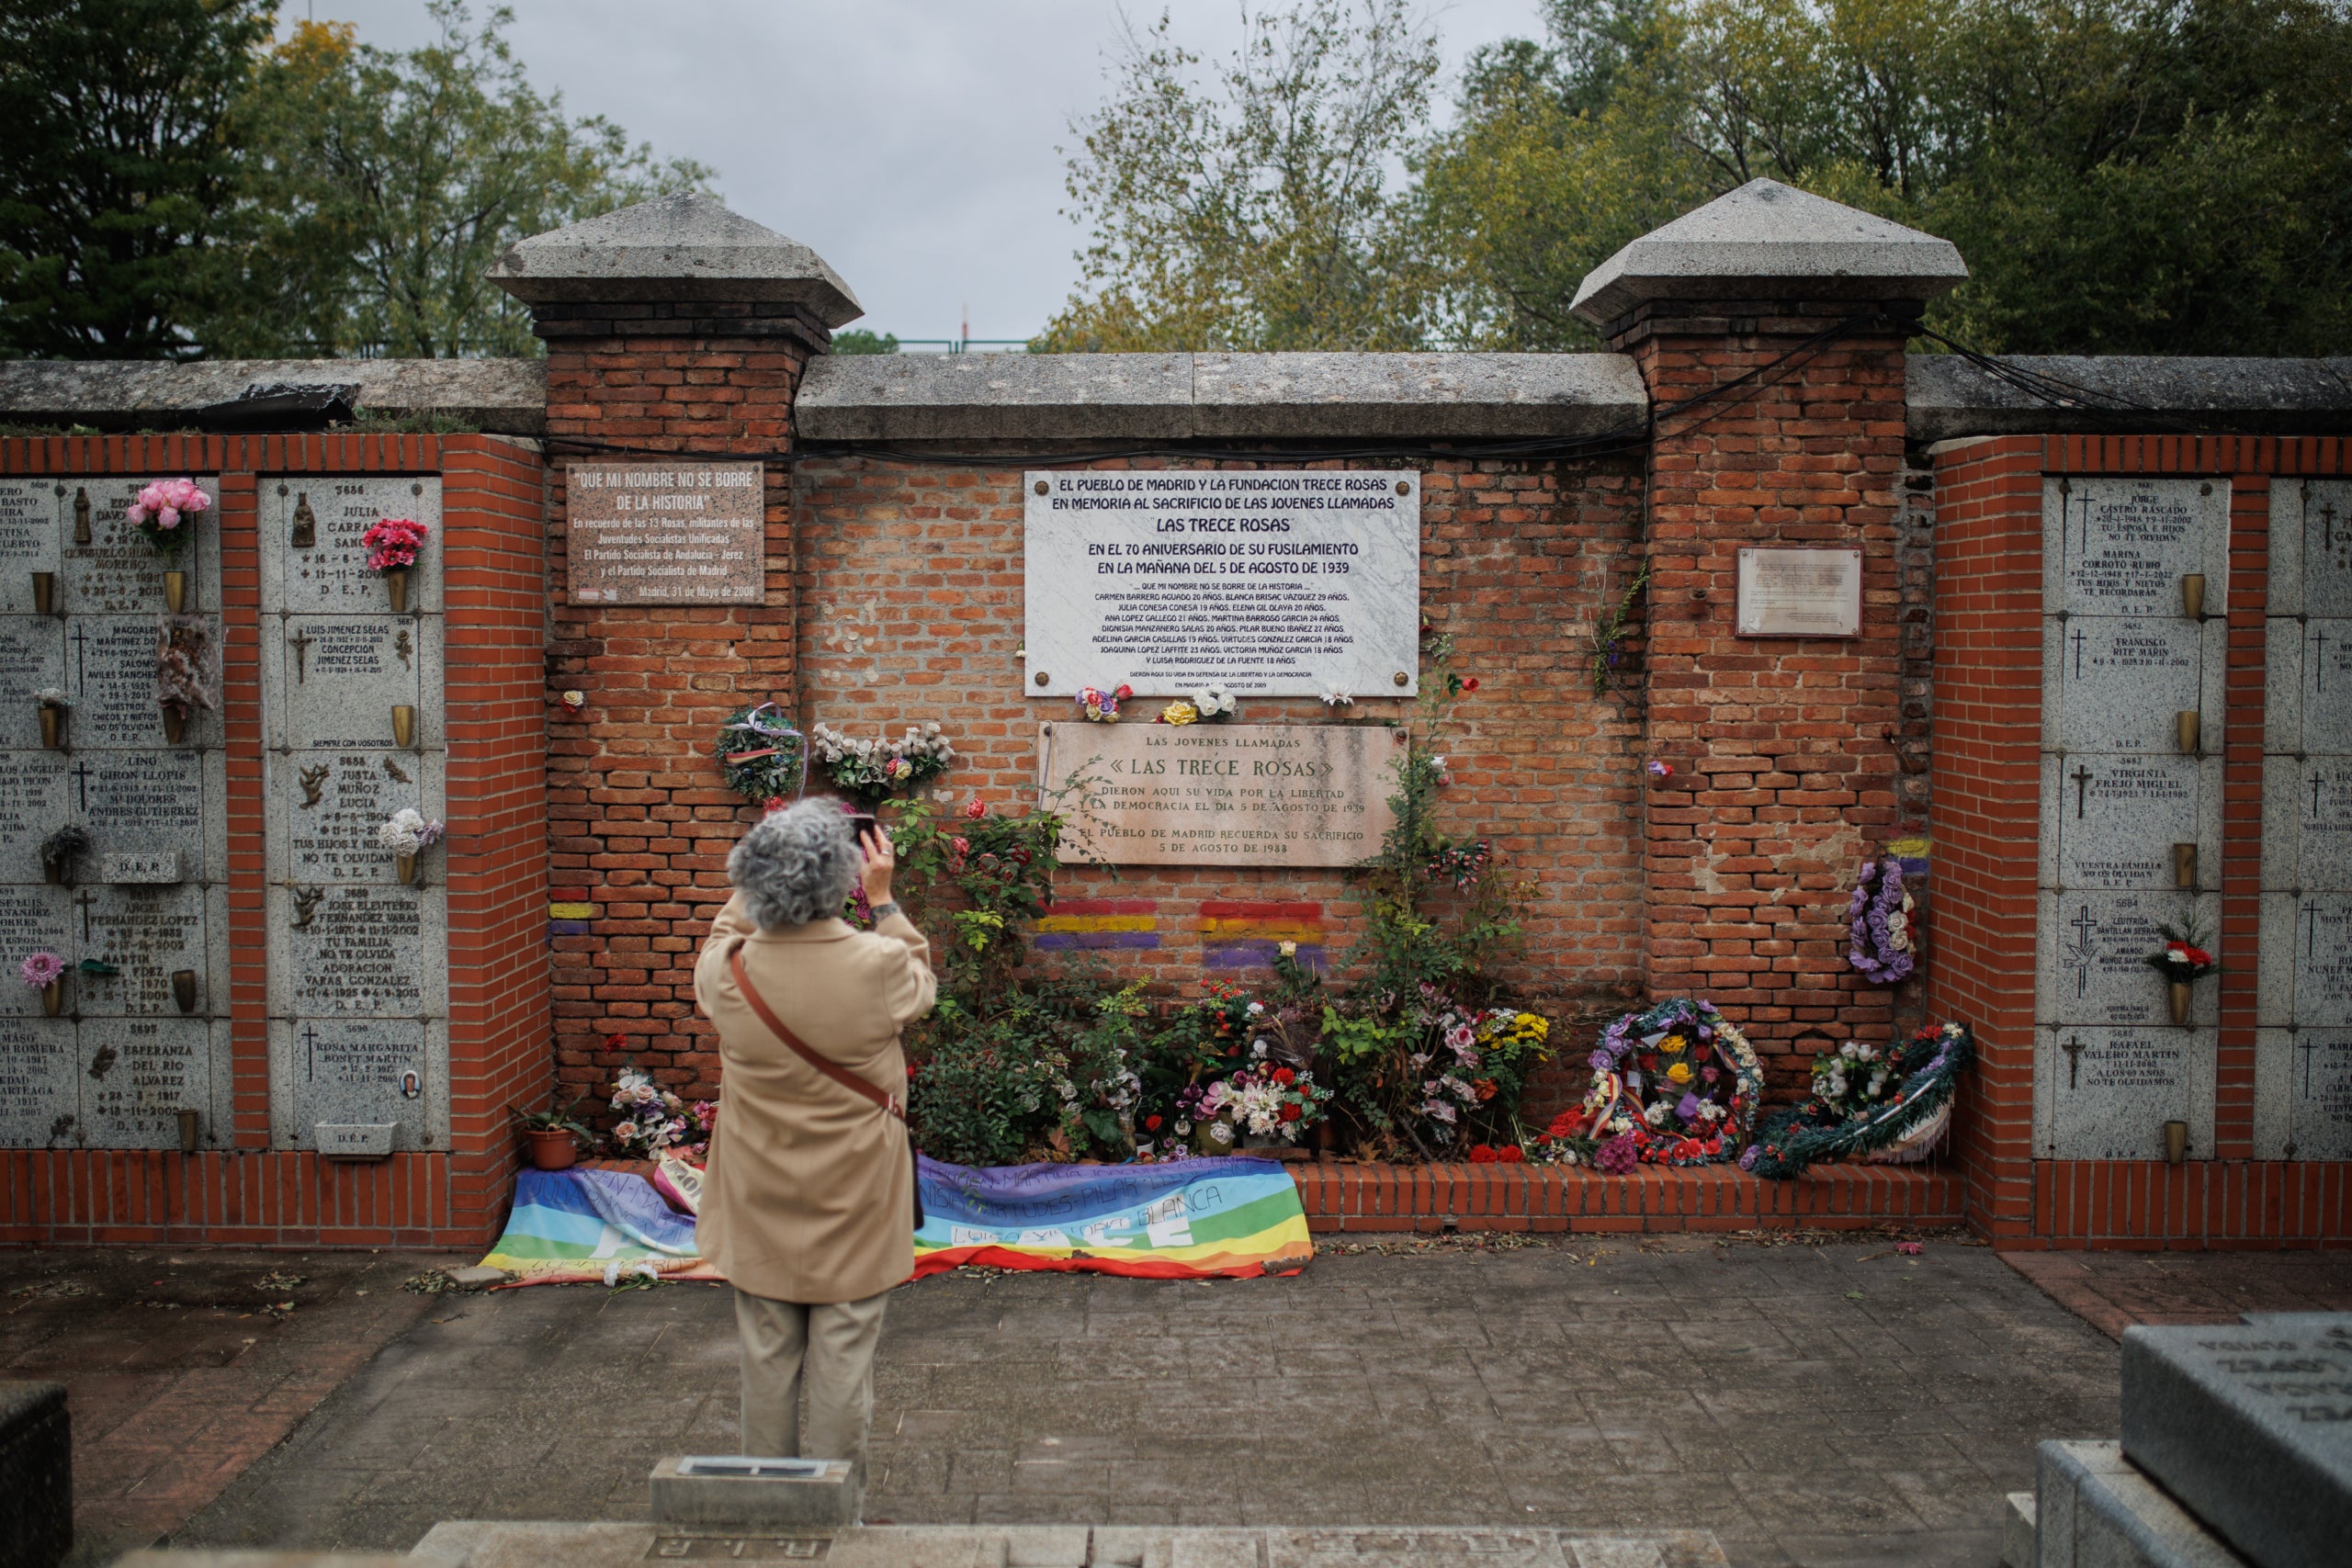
pixel 863 826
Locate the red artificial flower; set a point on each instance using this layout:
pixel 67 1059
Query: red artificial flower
pixel 976 808
pixel 1284 1076
pixel 1125 691
pixel 1471 684
pixel 1151 1123
pixel 616 1041
pixel 1567 1124
pixel 1510 1154
pixel 1292 1110
pixel 1481 1155
pixel 1486 1089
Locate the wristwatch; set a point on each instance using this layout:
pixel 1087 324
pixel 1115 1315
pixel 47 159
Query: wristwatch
pixel 884 911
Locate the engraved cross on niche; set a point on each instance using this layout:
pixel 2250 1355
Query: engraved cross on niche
pixel 2083 950
pixel 2327 526
pixel 2319 782
pixel 81 641
pixel 2073 1049
pixel 300 643
pixel 2307 1047
pixel 2319 661
pixel 86 900
pixel 82 784
pixel 311 1053
pixel 2082 777
pixel 2079 639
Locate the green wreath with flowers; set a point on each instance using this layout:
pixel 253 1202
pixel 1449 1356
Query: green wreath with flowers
pixel 763 756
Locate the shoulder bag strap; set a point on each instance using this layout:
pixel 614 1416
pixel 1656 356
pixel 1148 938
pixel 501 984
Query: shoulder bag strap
pixel 833 1070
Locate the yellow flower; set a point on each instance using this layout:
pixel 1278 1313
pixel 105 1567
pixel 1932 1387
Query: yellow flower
pixel 1672 1045
pixel 1178 713
pixel 1534 1026
pixel 1679 1073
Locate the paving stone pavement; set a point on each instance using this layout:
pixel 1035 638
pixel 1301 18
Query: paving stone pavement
pixel 1835 1403
pixel 2112 1291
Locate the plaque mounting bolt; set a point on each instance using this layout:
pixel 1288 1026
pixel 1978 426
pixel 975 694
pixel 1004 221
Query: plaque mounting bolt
pixel 1043 678
pixel 1403 488
pixel 1041 487
pixel 1402 679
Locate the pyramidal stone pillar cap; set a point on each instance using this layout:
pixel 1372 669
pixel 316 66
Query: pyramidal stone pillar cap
pixel 1768 241
pixel 674 248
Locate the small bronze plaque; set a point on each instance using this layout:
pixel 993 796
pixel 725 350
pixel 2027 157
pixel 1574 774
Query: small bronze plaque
pixel 666 533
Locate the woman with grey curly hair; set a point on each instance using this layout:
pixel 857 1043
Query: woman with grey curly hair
pixel 807 1196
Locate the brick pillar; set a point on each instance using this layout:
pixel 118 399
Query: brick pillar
pixel 673 327
pixel 1769 328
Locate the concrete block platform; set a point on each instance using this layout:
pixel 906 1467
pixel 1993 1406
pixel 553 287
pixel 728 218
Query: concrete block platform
pixel 497 1544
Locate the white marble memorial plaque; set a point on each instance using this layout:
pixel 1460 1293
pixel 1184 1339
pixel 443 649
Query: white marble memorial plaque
pixel 1279 584
pixel 355 1140
pixel 2307 821
pixel 2316 1085
pixel 2111 1090
pixel 2327 547
pixel 31 540
pixel 32 807
pixel 2114 683
pixel 117 572
pixel 367 1071
pixel 110 664
pixel 2116 817
pixel 40 1082
pixel 142 802
pixel 2120 547
pixel 326 807
pixel 2323 961
pixel 2096 970
pixel 32 919
pixel 334 680
pixel 141 1073
pixel 311 526
pixel 32 659
pixel 141 865
pixel 1800 592
pixel 356 952
pixel 146 933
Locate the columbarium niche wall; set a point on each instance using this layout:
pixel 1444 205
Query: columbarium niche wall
pixel 2302 1074
pixel 138 1054
pixel 2133 658
pixel 353 732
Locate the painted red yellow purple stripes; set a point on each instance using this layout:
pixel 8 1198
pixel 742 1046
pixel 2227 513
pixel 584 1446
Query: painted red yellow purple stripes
pixel 1100 923
pixel 1246 934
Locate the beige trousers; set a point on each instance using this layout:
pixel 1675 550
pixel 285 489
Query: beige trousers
pixel 829 1346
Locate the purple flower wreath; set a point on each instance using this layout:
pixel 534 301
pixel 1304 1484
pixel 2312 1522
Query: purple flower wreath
pixel 1881 916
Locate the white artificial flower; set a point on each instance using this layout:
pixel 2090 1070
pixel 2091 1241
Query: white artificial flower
pixel 1335 695
pixel 1220 1132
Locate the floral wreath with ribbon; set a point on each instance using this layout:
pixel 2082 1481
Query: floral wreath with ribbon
pixel 762 755
pixel 1677 1084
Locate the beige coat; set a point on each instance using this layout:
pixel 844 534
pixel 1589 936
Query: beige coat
pixel 807 1196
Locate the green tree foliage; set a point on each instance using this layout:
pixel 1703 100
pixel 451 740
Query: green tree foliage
pixel 379 187
pixel 2149 177
pixel 857 340
pixel 1254 210
pixel 117 162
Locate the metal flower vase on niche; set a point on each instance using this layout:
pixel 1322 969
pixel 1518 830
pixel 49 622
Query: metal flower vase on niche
pixel 55 706
pixel 392 544
pixel 408 833
pixel 187 671
pixel 165 512
pixel 44 593
pixel 403 725
pixel 183 989
pixel 45 971
pixel 2182 960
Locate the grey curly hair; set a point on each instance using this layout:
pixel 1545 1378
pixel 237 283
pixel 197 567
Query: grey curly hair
pixel 796 864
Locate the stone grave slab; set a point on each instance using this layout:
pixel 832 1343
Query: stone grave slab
pixel 149 932
pixel 326 806
pixel 139 1073
pixel 117 571
pixel 2310 670
pixel 32 807
pixel 33 918
pixel 2119 547
pixel 2302 1094
pixel 2250 1426
pixel 2094 962
pixel 360 952
pixel 2114 683
pixel 2326 537
pixel 360 1071
pixel 31 539
pixel 149 802
pixel 330 683
pixel 110 665
pixel 2307 822
pixel 32 659
pixel 2110 1092
pixel 330 574
pixel 2117 818
pixel 2321 942
pixel 41 1081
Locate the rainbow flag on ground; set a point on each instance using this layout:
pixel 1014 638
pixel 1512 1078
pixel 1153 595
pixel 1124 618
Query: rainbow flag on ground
pixel 580 1227
pixel 1186 1220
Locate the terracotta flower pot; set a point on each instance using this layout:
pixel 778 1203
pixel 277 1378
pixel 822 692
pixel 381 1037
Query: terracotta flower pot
pixel 551 1149
pixel 2180 996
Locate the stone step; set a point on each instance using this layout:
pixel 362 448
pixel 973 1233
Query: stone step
pixel 2249 1425
pixel 2093 1508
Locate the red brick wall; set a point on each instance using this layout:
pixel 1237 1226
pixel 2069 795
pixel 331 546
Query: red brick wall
pixel 1784 750
pixel 1987 828
pixel 251 1194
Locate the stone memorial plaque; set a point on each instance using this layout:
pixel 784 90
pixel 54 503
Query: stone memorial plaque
pixel 1279 584
pixel 2096 971
pixel 2323 961
pixel 335 681
pixel 2319 1094
pixel 140 1073
pixel 2307 822
pixel 31 540
pixel 2327 547
pixel 32 659
pixel 117 571
pixel 148 934
pixel 141 865
pixel 2111 1090
pixel 111 669
pixel 2319 659
pixel 362 1071
pixel 40 1082
pixel 2120 547
pixel 355 1140
pixel 142 802
pixel 311 526
pixel 325 808
pixel 2115 684
pixel 32 807
pixel 666 533
pixel 2117 818
pixel 1800 592
pixel 32 919
pixel 358 951
pixel 1223 793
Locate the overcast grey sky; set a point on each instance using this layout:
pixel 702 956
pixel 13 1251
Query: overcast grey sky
pixel 911 142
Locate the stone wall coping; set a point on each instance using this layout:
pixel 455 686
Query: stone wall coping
pixel 502 397
pixel 1241 396
pixel 673 248
pixel 1950 397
